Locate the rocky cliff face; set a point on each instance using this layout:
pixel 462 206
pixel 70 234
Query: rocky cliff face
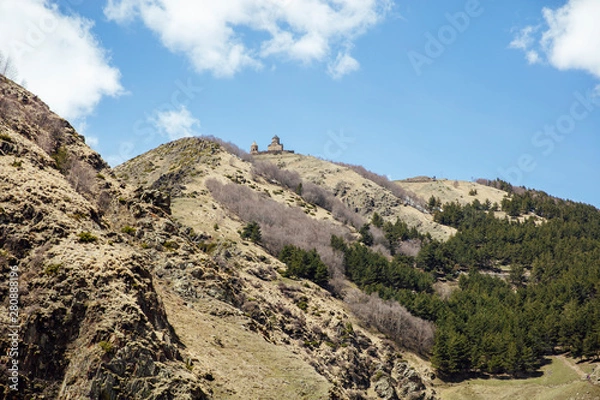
pixel 145 290
pixel 90 321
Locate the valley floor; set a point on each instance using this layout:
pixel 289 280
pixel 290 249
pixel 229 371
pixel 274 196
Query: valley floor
pixel 562 379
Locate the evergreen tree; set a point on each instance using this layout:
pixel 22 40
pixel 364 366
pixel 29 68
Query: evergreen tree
pixel 377 220
pixel 252 232
pixel 366 237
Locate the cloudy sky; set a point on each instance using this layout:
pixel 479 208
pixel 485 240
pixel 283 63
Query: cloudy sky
pixel 455 89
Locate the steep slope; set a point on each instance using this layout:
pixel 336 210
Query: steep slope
pixel 90 322
pixel 279 337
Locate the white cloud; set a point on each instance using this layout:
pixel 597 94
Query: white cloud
pixel 344 64
pixel 57 56
pixel 533 57
pixel 224 37
pixel 175 124
pixel 570 37
pixel 524 39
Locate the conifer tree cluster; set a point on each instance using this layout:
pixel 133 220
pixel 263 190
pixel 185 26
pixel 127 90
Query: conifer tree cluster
pixel 545 302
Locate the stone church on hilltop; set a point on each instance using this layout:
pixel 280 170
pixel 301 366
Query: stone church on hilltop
pixel 276 147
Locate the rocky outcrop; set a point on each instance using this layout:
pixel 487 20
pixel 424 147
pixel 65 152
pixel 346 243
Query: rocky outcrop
pixel 91 324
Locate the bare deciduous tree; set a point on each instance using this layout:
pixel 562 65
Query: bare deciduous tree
pixel 7 67
pixel 280 224
pixel 394 320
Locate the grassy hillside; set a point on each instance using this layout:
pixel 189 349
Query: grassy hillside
pixel 359 193
pixel 558 380
pixel 451 191
pixel 292 338
pixel 196 271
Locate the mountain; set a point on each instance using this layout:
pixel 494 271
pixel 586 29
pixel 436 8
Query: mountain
pixel 135 283
pixel 91 322
pixel 199 271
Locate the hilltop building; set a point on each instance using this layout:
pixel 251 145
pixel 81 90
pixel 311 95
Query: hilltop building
pixel 276 147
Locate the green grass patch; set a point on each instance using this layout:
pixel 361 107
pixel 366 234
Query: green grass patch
pixel 52 269
pixel 87 237
pixel 129 230
pixel 106 346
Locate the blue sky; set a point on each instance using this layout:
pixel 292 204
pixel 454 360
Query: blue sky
pixel 455 89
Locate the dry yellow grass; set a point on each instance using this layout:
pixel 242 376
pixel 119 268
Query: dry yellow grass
pixel 244 365
pixel 450 191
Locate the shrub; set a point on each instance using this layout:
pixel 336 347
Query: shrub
pixel 87 237
pixel 271 172
pixel 170 245
pixel 106 346
pixel 61 158
pixel 5 107
pixel 129 230
pixel 394 320
pixel 52 269
pixel 366 237
pixel 377 220
pixel 207 247
pixel 303 304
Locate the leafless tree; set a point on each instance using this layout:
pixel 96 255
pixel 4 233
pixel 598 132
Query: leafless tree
pixel 410 247
pixel 280 224
pixel 272 173
pixel 7 67
pixel 6 107
pixel 392 319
